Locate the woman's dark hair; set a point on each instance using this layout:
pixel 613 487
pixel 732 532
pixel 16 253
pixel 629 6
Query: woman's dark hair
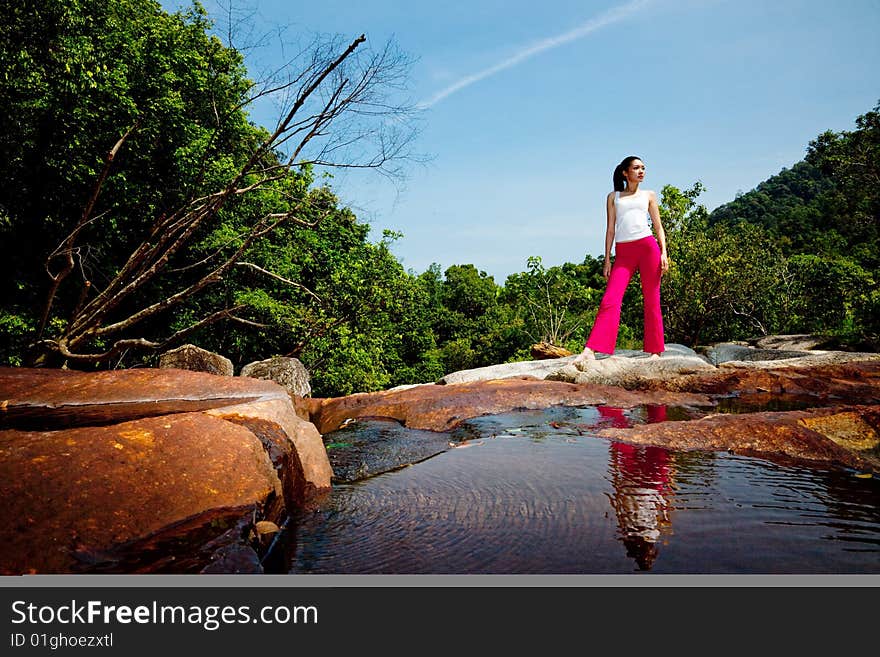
pixel 619 182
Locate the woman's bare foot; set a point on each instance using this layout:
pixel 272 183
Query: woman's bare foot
pixel 583 357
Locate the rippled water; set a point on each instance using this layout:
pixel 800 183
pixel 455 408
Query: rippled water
pixel 536 492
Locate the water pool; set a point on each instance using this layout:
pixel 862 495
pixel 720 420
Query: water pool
pixel 537 492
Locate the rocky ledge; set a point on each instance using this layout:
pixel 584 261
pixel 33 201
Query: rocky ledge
pixel 102 472
pixel 834 398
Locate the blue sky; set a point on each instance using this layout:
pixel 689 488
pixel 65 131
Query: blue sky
pixel 530 105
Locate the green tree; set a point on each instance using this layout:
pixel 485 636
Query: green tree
pixel 825 294
pixel 555 305
pixel 189 190
pixel 723 282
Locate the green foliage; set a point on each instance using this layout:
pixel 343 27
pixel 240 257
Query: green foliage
pixel 723 282
pixel 553 304
pixel 826 293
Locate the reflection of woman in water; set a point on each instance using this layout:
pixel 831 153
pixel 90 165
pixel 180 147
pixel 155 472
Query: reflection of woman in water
pixel 641 477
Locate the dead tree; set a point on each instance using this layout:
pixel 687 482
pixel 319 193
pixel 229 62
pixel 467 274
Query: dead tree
pixel 336 114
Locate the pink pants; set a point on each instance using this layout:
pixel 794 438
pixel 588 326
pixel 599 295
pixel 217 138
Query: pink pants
pixel 644 255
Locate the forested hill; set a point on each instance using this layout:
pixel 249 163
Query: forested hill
pixel 827 204
pixel 787 205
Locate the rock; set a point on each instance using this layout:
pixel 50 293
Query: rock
pixel 544 350
pixel 101 468
pixel 843 383
pixel 822 434
pixel 632 372
pixel 407 386
pixel 851 430
pixel 725 352
pixel 295 445
pixel 441 408
pixel 196 359
pixel 538 369
pixel 89 489
pixel 799 359
pixel 235 560
pixel 289 373
pixel 799 342
pixel 371 446
pixel 53 399
pixel 672 349
pixel 542 369
pixel 266 528
pixel 795 350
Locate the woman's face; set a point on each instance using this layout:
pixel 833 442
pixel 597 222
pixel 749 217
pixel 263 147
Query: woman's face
pixel 635 172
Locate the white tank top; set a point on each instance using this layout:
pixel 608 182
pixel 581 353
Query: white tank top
pixel 631 217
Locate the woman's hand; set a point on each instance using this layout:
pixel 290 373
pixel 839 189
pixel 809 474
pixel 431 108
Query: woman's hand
pixel 606 270
pixel 664 263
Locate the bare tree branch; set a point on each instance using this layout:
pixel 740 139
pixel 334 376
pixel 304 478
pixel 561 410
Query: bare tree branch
pixel 65 249
pixel 279 278
pixel 329 98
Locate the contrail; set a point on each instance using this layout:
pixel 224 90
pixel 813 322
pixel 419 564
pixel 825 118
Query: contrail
pixel 611 16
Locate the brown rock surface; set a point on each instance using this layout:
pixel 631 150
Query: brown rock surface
pixel 87 489
pixel 851 430
pixel 52 399
pixel 781 434
pixel 440 408
pixel 101 467
pixel 848 383
pixel 308 458
pixel 62 398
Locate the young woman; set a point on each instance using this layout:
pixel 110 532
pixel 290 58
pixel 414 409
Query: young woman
pixel 629 210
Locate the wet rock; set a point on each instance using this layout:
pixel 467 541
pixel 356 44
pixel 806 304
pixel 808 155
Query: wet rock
pixel 544 350
pixel 852 431
pixel 196 359
pixel 804 435
pixel 235 560
pixel 266 528
pixel 372 446
pixel 89 489
pixel 440 408
pixel 289 373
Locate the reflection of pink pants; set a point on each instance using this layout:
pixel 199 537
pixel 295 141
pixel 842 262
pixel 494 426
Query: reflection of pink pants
pixel 644 255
